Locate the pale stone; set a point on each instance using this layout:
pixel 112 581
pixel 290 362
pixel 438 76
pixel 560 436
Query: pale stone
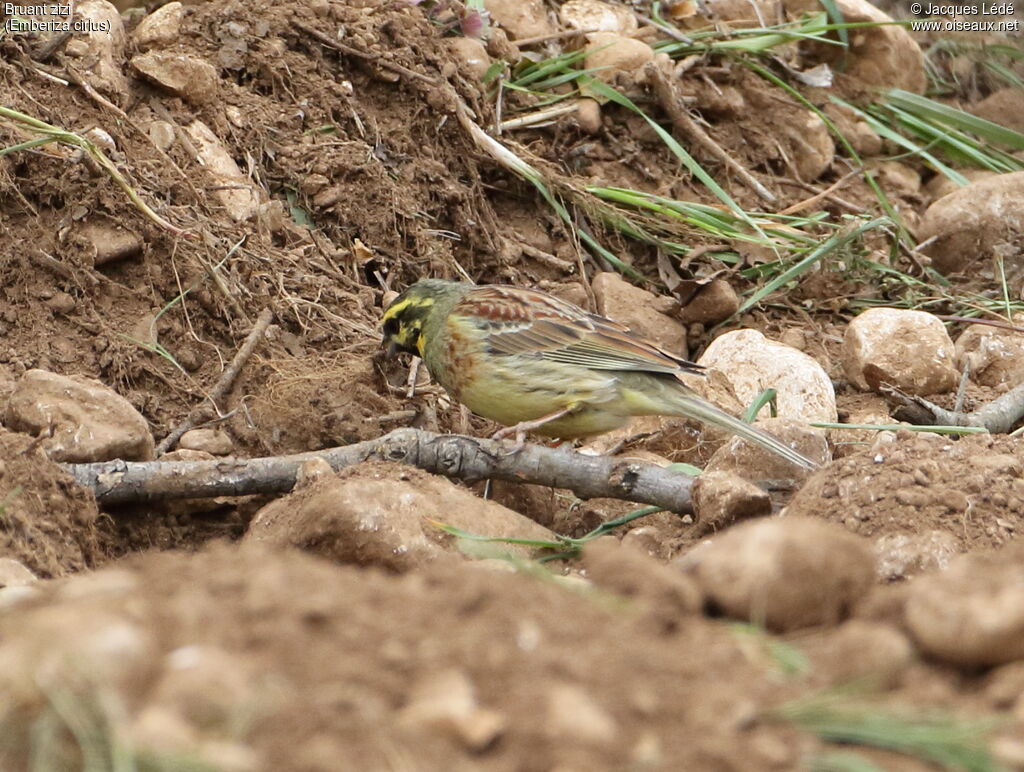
pixel 910 350
pixel 81 419
pixel 752 363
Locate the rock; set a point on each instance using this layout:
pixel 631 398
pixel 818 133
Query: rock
pixel 596 16
pixel 103 45
pixel 902 555
pixel 161 134
pixel 858 133
pixel 752 363
pixel 995 355
pixel 471 55
pixel 785 573
pixel 520 18
pixel 910 350
pixel 860 651
pixel 752 462
pixel 500 47
pixel 972 614
pixel 1005 107
pixel 811 143
pixel 81 419
pixel 312 471
pixel 714 302
pixel 14 574
pixel 754 12
pixel 108 242
pixel 885 56
pixel 447 702
pixel 615 54
pixel 384 514
pixel 239 196
pixel 160 27
pixel 588 115
pixel 216 442
pixel 626 570
pixel 972 222
pixel 640 310
pixel 573 715
pixel 61 303
pixel 899 177
pixel 188 77
pixel 940 185
pixel 722 498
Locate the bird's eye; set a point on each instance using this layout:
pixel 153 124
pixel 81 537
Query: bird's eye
pixel 391 327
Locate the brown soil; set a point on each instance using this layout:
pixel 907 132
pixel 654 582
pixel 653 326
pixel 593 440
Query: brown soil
pixel 156 631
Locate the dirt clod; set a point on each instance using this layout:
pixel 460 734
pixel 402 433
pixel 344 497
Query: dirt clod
pixel 973 613
pixel 78 419
pixel 721 498
pixel 386 515
pixel 785 573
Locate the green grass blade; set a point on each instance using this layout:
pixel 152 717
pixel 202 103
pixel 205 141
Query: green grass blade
pixel 958 119
pixel 832 243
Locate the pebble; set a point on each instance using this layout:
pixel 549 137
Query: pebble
pixel 783 572
pixel 910 350
pixel 82 419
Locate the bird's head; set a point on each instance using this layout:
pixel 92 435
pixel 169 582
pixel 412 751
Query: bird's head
pixel 404 319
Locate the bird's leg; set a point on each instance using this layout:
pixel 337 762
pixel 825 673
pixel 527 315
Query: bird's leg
pixel 521 428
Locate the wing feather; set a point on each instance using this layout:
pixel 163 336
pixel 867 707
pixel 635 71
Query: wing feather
pixel 529 322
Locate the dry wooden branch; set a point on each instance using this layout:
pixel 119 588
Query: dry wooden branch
pixel 688 127
pixel 998 416
pixel 226 379
pixel 466 458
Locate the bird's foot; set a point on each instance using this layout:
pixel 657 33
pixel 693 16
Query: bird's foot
pixel 519 431
pixel 521 428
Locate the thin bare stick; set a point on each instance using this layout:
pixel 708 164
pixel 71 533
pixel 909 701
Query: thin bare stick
pixel 690 129
pixel 523 42
pixel 222 386
pixel 961 392
pixel 538 116
pixel 807 203
pixel 350 51
pixel 466 458
pixel 998 416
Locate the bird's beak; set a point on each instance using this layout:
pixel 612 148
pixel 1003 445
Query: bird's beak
pixel 391 348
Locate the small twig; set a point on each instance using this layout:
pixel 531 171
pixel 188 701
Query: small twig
pixel 830 196
pixel 538 116
pixel 961 392
pixel 46 51
pixel 350 51
pixel 807 203
pixel 672 33
pixel 222 386
pixel 466 458
pixel 523 42
pixel 998 416
pixel 686 125
pixel 51 264
pixel 546 257
pixel 74 77
pixel 988 322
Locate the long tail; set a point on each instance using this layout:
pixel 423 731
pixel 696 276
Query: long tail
pixel 693 406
